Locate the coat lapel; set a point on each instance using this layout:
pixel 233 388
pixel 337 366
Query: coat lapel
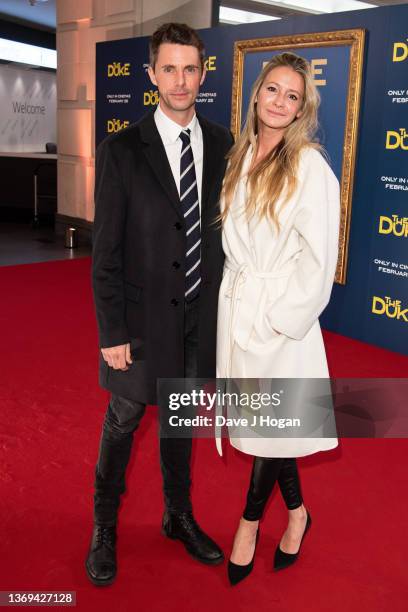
pixel 155 154
pixel 238 214
pixel 209 160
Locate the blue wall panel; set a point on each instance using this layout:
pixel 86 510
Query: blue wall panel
pixel 371 305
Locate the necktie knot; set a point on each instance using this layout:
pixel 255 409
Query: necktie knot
pixel 185 137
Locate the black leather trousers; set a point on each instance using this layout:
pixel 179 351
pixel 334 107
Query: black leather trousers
pixel 265 472
pixel 122 419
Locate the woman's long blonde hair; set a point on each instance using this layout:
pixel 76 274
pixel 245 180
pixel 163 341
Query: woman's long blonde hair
pixel 275 174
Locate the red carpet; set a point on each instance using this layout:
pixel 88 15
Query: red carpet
pixel 51 410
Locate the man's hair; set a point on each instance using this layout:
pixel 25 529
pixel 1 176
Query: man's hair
pixel 178 34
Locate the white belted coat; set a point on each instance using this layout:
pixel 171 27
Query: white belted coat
pixel 274 288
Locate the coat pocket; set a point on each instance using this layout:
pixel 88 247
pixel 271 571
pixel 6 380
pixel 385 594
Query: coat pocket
pixel 132 292
pixel 262 332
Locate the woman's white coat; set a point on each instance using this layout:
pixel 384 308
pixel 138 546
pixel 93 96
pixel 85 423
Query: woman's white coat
pixel 275 286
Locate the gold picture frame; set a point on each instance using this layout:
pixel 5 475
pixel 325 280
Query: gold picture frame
pixel 355 39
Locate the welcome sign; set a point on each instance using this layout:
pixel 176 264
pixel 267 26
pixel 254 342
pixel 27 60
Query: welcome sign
pixel 28 109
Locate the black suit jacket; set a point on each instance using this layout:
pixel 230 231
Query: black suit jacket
pixel 138 256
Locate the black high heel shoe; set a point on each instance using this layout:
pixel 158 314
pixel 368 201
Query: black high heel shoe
pixel 236 573
pixel 283 559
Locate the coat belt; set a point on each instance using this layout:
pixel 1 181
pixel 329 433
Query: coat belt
pixel 246 293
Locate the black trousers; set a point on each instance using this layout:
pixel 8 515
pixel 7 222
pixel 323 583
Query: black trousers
pixel 121 421
pixel 265 473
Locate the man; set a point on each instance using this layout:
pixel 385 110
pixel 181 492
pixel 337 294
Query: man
pixel 157 266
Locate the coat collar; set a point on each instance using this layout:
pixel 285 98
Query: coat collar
pixel 210 158
pixel 156 156
pixel 170 131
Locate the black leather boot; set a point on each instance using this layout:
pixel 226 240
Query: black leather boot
pixel 101 561
pixel 182 526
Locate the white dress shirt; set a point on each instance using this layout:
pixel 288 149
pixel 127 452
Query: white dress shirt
pixel 169 132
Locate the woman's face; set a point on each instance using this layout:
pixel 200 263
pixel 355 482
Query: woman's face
pixel 280 98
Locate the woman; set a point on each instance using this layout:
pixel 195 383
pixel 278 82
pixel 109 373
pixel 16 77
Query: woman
pixel 280 215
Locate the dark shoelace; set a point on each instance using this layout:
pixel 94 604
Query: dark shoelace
pixel 105 536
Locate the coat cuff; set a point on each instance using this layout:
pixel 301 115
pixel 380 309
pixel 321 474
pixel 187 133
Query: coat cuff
pixel 291 331
pixel 114 337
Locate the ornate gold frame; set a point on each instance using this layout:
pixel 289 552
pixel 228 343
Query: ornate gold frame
pixel 354 38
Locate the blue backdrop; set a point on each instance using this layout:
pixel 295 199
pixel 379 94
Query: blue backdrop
pixel 373 304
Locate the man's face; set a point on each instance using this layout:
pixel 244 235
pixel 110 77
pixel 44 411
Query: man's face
pixel 178 76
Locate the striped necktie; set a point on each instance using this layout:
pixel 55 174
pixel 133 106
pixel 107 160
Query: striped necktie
pixel 191 212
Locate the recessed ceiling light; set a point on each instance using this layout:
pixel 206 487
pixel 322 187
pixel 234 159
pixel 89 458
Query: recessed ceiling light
pixel 321 6
pixel 13 51
pixel 34 2
pixel 235 16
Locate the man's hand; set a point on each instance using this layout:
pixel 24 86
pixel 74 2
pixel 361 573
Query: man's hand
pixel 117 357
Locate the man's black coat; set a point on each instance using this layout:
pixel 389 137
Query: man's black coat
pixel 138 256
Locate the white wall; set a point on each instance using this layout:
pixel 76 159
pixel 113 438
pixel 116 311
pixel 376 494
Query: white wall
pixel 28 109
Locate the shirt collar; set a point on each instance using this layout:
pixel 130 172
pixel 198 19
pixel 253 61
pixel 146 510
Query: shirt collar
pixel 169 130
